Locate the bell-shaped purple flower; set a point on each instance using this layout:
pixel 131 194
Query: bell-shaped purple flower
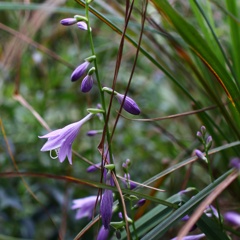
pixel 79 71
pixel 68 21
pixel 129 104
pixel 62 139
pixel 84 206
pixel 232 218
pixel 87 84
pixel 82 25
pixel 103 233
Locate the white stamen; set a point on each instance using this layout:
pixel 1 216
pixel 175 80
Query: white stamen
pixel 56 151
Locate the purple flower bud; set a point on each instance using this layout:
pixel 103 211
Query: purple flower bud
pixel 82 25
pixel 68 21
pixel 128 183
pixel 120 215
pixel 203 130
pixel 200 155
pixel 129 104
pixel 235 162
pixel 79 71
pixel 232 218
pixel 106 208
pixel 87 84
pixel 140 203
pixel 92 133
pixel 191 237
pixel 103 234
pixel 208 142
pixel 94 168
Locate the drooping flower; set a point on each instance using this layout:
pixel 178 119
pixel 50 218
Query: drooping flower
pixel 84 206
pixel 103 233
pixel 82 25
pixel 68 21
pixel 191 237
pixel 232 218
pixel 79 71
pixel 87 84
pixel 129 104
pixel 62 139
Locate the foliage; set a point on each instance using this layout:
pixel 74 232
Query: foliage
pixel 178 60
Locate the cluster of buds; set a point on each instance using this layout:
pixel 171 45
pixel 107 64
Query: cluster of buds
pixel 206 141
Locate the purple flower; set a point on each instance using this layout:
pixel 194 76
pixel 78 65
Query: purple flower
pixel 191 237
pixel 62 139
pixel 79 71
pixel 94 167
pixel 232 218
pixel 84 206
pixel 107 202
pixel 200 155
pixel 235 162
pixel 129 104
pixel 68 21
pixel 87 84
pixel 103 233
pixel 106 207
pixel 82 25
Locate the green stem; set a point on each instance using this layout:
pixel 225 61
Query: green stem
pixel 99 84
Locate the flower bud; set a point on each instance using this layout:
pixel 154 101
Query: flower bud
pixel 87 84
pixel 129 104
pixel 200 155
pixel 82 25
pixel 235 162
pixel 68 21
pixel 79 71
pixel 139 204
pixel 208 142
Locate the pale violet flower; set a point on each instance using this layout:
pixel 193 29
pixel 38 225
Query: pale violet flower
pixel 129 104
pixel 84 206
pixel 191 237
pixel 82 25
pixel 232 218
pixel 62 139
pixel 68 21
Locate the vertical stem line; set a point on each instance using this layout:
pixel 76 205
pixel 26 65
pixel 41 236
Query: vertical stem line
pixel 99 86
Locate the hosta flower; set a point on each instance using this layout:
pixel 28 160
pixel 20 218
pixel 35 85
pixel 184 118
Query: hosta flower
pixel 87 84
pixel 84 206
pixel 79 71
pixel 129 104
pixel 82 25
pixel 103 233
pixel 62 139
pixel 232 218
pixel 68 21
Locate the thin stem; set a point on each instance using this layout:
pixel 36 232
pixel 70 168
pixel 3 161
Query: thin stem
pixel 99 84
